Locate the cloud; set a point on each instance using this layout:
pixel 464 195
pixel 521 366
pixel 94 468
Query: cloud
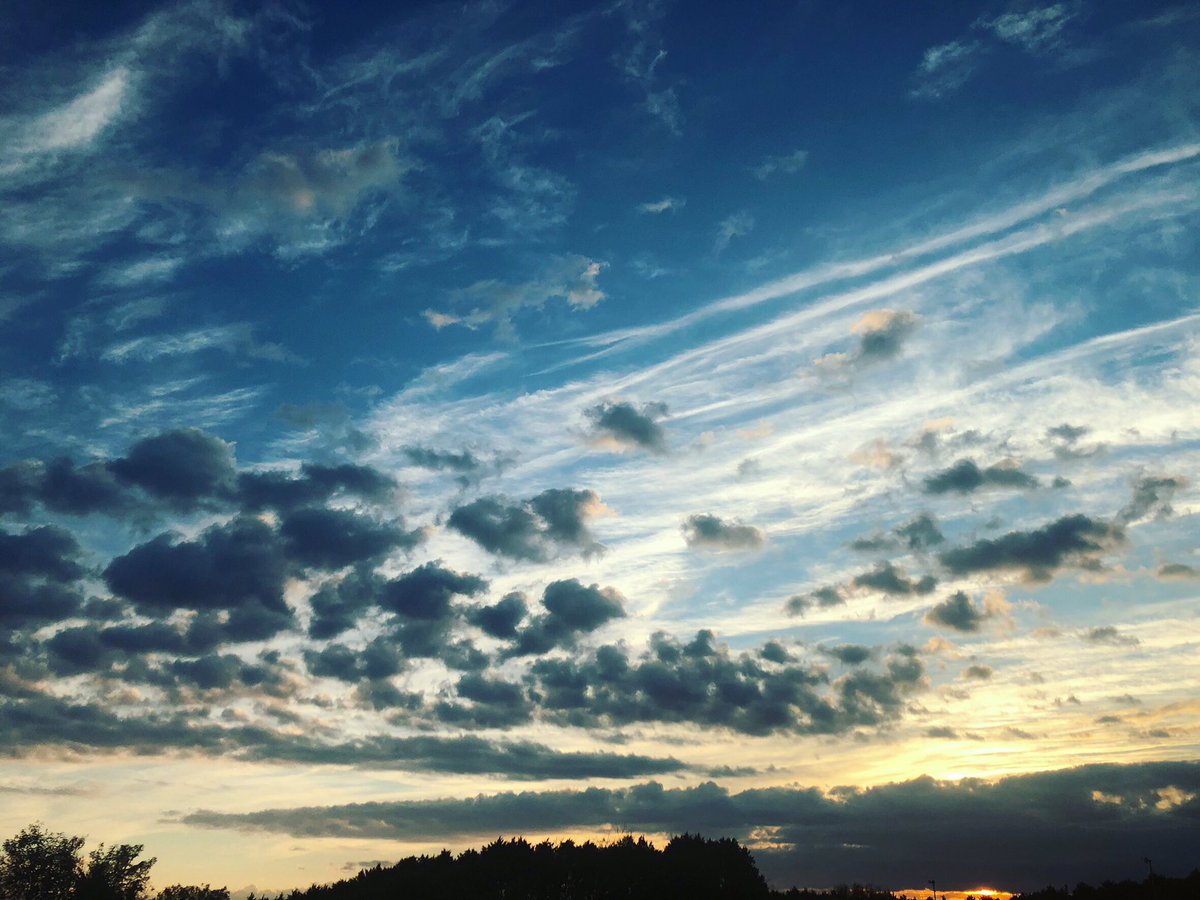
pixel 738 224
pixel 704 531
pixel 957 613
pixel 1021 831
pixel 822 597
pixel 920 533
pixel 571 610
pixel 965 477
pixel 500 620
pixel 335 538
pixel 1152 496
pixel 240 567
pixel 316 484
pixel 1177 572
pixel 71 127
pixel 703 683
pixel 620 425
pixel 787 164
pixel 535 529
pixel 978 672
pixel 1034 30
pixel 465 462
pixel 45 721
pixel 1074 541
pixel 666 204
pixel 944 69
pixel 572 279
pixel 182 468
pixel 888 579
pixel 882 333
pixel 302 198
pixel 1107 634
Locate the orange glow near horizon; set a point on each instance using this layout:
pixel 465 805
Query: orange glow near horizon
pixel 926 894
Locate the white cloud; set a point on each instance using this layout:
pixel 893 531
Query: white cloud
pixel 739 224
pixel 666 204
pixel 787 164
pixel 73 126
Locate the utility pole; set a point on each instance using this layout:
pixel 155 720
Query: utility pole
pixel 933 887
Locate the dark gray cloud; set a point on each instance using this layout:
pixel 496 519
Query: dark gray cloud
pixel 1177 572
pixel 620 423
pixel 889 579
pixel 1108 634
pixel 378 659
pixel 500 620
pixel 1152 496
pixel 535 529
pixel 337 606
pixel 850 654
pixel 708 532
pixel 882 334
pixel 572 609
pixel 42 721
pixel 42 552
pixel 921 533
pixel 1075 541
pixel 316 484
pixel 181 470
pixel 965 476
pixel 1020 832
pixel 425 592
pixel 1065 440
pixel 322 538
pixel 183 467
pixel 464 462
pixel 978 672
pixel 703 683
pixel 957 613
pixel 822 597
pixel 240 567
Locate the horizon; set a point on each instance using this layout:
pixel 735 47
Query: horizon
pixel 434 420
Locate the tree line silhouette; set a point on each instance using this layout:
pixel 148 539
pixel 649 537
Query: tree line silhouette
pixel 40 865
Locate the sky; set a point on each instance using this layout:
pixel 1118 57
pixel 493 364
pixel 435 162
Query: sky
pixel 428 422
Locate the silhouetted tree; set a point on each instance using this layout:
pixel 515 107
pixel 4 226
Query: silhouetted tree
pixel 192 892
pixel 39 865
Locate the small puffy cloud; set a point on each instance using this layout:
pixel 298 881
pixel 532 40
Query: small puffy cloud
pixel 965 477
pixel 787 164
pixel 888 579
pixel 1152 497
pixel 239 567
pixel 334 538
pixel 1177 572
pixel 183 467
pixel 1075 541
pixel 822 598
pixel 849 654
pixel 572 609
pixel 1108 634
pixel 979 672
pixel 957 613
pixel 920 533
pixel 500 620
pixel 620 425
pixel 881 336
pixel 882 332
pixel 534 529
pixel 705 531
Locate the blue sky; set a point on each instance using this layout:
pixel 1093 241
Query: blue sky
pixel 710 410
